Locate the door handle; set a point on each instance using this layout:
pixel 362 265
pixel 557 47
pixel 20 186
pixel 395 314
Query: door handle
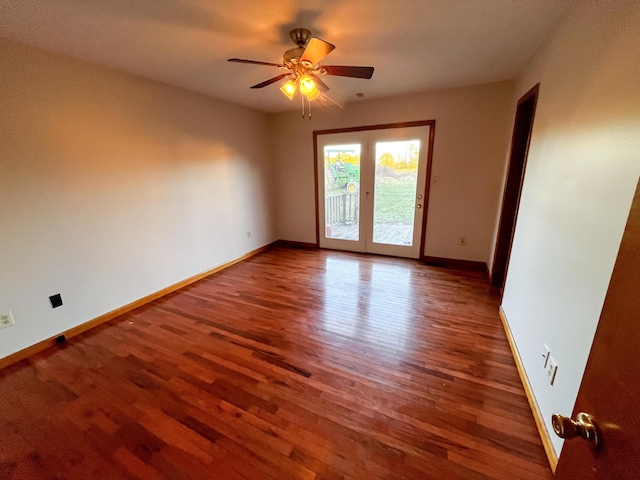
pixel 584 426
pixel 418 206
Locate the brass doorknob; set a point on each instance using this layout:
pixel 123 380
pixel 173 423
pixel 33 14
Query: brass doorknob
pixel 583 426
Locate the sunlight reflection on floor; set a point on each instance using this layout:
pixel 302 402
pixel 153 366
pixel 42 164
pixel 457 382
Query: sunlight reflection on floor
pixel 363 300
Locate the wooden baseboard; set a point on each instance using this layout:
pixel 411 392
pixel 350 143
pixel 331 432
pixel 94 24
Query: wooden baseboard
pixel 469 265
pixel 301 245
pixel 535 409
pixel 52 341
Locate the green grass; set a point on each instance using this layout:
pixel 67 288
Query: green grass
pixel 395 201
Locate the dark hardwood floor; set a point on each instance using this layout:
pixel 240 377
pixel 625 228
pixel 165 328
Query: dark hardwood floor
pixel 295 364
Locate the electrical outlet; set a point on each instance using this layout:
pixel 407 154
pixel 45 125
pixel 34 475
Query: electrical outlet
pixel 248 234
pixel 462 241
pixel 552 369
pixel 545 356
pixel 6 320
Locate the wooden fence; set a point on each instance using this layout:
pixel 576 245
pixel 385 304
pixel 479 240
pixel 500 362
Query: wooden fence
pixel 342 209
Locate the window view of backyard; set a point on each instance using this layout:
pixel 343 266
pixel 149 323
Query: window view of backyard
pixel 394 189
pixel 341 187
pixel 396 179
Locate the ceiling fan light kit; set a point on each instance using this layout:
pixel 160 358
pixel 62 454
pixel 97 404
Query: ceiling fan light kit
pixel 289 89
pixel 302 68
pixel 307 85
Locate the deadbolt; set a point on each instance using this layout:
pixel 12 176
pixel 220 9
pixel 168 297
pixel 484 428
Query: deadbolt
pixel 583 426
pixel 419 196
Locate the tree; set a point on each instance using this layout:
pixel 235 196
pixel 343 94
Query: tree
pixel 387 160
pixel 408 160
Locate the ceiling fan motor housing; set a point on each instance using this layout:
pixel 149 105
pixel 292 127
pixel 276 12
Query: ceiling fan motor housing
pixel 292 56
pixel 300 36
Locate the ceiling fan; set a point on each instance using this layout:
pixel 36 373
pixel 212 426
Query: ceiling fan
pixel 301 67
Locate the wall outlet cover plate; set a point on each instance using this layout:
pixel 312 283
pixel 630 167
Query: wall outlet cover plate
pixel 6 320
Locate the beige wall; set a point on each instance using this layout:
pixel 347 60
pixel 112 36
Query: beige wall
pixel 583 166
pixel 473 128
pixel 113 187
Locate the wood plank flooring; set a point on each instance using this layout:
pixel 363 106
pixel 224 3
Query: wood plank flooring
pixel 295 364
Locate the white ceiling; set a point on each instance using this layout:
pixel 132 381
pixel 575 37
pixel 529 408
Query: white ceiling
pixel 414 45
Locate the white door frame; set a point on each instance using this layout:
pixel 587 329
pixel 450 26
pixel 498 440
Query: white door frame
pixel 360 137
pixel 360 134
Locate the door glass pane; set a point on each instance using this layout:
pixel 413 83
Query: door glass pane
pixel 341 191
pixel 396 180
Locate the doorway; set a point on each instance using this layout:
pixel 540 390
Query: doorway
pixel 372 188
pixel 520 141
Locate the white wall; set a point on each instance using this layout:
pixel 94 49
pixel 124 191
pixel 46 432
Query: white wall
pixel 473 130
pixel 113 187
pixel 582 170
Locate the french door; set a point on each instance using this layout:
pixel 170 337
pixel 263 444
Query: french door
pixel 371 190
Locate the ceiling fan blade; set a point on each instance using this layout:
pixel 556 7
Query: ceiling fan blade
pixel 347 71
pixel 253 62
pixel 316 50
pixel 271 80
pixel 320 84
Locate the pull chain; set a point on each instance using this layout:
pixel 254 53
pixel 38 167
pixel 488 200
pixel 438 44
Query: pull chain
pixel 303 109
